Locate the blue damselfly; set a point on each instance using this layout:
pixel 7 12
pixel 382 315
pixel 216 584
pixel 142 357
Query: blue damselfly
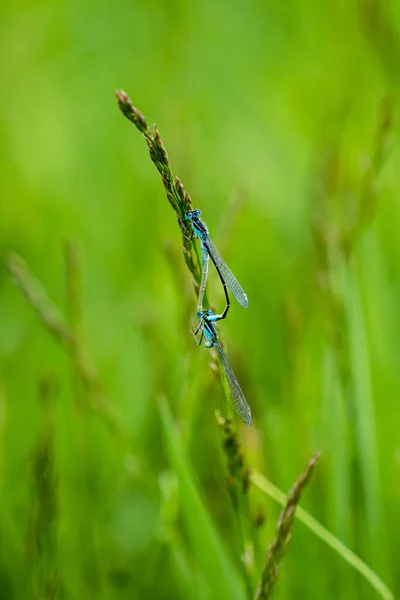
pixel 209 336
pixel 225 274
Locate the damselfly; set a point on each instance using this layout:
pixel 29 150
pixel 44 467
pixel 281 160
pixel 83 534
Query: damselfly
pixel 225 274
pixel 209 335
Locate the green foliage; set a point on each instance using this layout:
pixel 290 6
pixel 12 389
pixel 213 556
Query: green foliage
pixel 280 119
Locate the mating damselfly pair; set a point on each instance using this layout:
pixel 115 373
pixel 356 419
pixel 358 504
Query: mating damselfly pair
pixel 206 328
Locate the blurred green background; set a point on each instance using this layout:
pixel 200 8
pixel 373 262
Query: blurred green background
pixel 280 119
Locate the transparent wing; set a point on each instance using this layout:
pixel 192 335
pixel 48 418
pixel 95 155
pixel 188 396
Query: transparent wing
pixel 236 395
pixel 204 275
pixel 227 274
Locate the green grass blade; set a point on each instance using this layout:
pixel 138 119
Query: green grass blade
pixel 335 433
pixel 326 536
pixel 210 554
pixel 365 422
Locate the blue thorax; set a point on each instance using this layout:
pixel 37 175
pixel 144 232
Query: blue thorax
pixel 209 331
pixel 199 227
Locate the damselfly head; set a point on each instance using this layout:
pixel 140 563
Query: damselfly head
pixel 205 313
pixel 193 214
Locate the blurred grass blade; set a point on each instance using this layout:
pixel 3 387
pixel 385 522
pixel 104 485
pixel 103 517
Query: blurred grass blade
pixel 336 433
pixel 214 562
pixel 365 423
pixel 319 530
pixel 54 322
pixel 189 579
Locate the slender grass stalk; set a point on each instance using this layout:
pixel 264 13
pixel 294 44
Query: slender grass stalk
pixel 238 472
pixel 177 196
pixel 74 318
pixel 37 297
pixel 73 285
pixel 325 535
pixel 54 322
pixel 279 545
pixel 42 534
pixel 368 196
pixel 238 487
